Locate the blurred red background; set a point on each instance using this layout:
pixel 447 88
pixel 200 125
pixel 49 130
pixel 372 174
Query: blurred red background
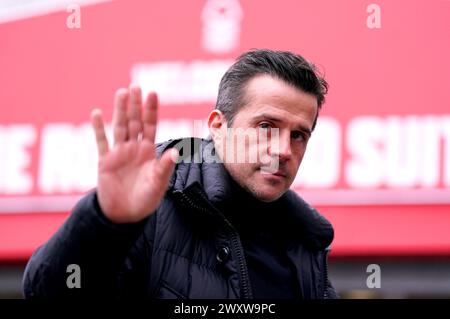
pixel 378 165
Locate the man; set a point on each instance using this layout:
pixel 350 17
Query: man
pixel 200 229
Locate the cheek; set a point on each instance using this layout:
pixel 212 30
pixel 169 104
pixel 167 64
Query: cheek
pixel 242 170
pixel 299 153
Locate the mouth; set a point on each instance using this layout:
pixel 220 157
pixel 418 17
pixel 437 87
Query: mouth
pixel 278 174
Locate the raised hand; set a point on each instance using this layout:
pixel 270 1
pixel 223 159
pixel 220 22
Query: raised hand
pixel 131 180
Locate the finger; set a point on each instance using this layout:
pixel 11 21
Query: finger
pixel 99 131
pixel 134 112
pixel 150 116
pixel 166 164
pixel 120 122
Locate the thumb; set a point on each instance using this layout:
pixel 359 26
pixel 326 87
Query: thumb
pixel 166 164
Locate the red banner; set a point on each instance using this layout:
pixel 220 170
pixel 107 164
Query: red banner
pixel 378 164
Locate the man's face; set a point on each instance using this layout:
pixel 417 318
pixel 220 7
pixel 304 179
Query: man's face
pixel 271 104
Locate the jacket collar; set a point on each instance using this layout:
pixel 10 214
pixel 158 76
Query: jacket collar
pixel 210 185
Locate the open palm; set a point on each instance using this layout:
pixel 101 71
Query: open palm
pixel 131 180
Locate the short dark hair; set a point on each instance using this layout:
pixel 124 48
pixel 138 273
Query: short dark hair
pixel 287 66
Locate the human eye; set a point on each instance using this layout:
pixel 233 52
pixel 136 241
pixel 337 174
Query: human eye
pixel 264 125
pixel 299 136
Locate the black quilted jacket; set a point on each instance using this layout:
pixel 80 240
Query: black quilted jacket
pixel 186 249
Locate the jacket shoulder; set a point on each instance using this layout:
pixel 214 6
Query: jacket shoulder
pixel 316 231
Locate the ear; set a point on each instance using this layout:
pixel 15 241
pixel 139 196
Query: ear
pixel 216 123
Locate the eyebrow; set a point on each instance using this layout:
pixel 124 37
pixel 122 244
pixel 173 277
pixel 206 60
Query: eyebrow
pixel 275 119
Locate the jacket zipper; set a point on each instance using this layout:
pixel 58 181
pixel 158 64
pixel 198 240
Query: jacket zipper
pixel 325 277
pixel 243 272
pixel 246 292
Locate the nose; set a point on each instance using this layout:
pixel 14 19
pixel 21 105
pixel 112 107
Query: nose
pixel 281 147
